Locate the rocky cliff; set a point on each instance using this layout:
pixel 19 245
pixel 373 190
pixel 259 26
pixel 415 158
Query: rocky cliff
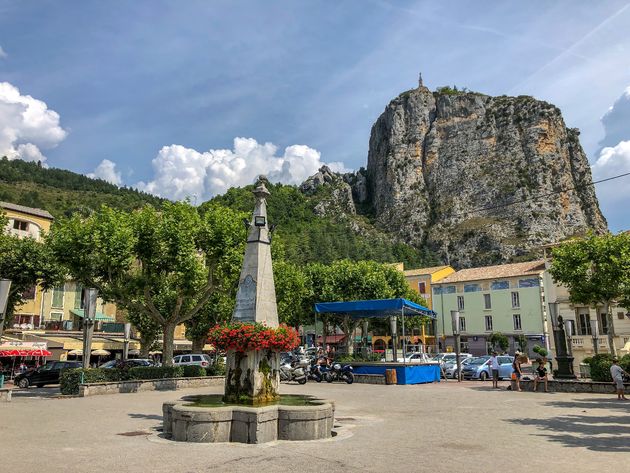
pixel 478 179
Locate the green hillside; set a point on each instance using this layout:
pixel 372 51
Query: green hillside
pixel 62 192
pixel 306 237
pixel 302 235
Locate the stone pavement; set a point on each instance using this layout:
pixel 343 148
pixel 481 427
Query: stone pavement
pixel 445 427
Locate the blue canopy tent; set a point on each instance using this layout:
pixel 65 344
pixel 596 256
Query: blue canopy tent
pixel 379 308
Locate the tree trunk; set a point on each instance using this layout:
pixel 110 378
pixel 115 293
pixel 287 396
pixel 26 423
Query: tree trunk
pixel 145 345
pixel 198 344
pixel 611 329
pixel 168 344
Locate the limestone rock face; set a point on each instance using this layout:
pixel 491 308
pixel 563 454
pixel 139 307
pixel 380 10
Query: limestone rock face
pixel 335 194
pixel 478 179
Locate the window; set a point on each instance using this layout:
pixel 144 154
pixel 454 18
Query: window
pixel 472 287
pixel 530 282
pixel 196 358
pixel 57 297
pixel 516 303
pixel 462 324
pixel 429 328
pixel 584 324
pixel 78 297
pixel 572 327
pixel 20 225
pixel 29 293
pixel 449 290
pixel 460 302
pixel 517 322
pixel 488 323
pixel 487 301
pixel 504 360
pixel 498 285
pixel 56 316
pixel 603 324
pixel 463 344
pixel 185 359
pixel 620 315
pixel 422 287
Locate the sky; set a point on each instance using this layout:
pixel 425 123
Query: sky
pixel 185 99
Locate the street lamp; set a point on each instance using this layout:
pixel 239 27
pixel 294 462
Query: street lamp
pixel 393 326
pixel 5 287
pixel 568 330
pixel 89 314
pixel 565 361
pixel 595 334
pixel 455 324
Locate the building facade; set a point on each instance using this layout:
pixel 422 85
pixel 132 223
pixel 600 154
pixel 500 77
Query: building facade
pixel 506 298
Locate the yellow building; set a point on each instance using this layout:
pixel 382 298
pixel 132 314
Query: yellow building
pixel 27 222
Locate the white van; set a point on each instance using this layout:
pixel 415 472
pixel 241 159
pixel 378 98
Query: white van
pixel 194 359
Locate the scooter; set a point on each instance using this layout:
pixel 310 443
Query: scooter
pixel 339 373
pixel 294 372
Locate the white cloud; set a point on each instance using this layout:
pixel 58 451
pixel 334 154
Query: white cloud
pixel 106 170
pixel 3 54
pixel 181 172
pixel 613 161
pixel 26 125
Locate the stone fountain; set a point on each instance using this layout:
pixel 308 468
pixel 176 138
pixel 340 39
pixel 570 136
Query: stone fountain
pixel 252 410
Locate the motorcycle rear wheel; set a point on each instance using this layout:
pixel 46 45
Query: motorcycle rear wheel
pixel 328 377
pixel 302 380
pixel 350 378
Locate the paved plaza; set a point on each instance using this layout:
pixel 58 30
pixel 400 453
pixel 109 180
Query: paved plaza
pixel 445 427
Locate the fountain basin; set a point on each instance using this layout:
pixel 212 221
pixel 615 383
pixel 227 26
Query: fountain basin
pixel 212 421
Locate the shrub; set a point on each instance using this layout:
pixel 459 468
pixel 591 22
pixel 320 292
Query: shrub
pixel 156 372
pixel 600 367
pixel 587 360
pixel 624 362
pixel 194 371
pixel 542 351
pixel 216 369
pixel 70 379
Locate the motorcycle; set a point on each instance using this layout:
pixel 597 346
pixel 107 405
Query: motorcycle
pixel 292 372
pixel 314 372
pixel 339 373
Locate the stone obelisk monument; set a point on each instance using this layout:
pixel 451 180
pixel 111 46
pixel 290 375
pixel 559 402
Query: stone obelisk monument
pixel 253 377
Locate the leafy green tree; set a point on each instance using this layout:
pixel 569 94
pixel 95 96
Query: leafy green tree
pixel 293 293
pixel 158 263
pixel 27 263
pixel 497 339
pixel 225 239
pixel 147 326
pixel 596 271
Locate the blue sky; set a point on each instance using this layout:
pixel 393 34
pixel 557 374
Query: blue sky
pixel 187 98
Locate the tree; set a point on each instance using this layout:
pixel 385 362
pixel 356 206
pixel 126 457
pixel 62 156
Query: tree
pixel 26 262
pixel 596 271
pixel 157 263
pixel 497 339
pixel 347 280
pixel 148 327
pixel 293 293
pixel 225 240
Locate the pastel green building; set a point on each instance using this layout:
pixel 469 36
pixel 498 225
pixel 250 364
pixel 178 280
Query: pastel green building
pixel 506 298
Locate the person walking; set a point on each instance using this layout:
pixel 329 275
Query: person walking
pixel 494 365
pixel 541 375
pixel 617 373
pixel 516 375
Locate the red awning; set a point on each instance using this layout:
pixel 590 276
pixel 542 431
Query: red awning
pixel 25 352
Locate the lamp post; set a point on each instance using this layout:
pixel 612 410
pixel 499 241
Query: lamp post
pixel 5 287
pixel 126 341
pixel 595 334
pixel 455 323
pixel 393 325
pixel 568 330
pixel 89 314
pixel 565 362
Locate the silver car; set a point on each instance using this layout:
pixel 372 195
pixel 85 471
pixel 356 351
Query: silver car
pixel 201 359
pixel 450 368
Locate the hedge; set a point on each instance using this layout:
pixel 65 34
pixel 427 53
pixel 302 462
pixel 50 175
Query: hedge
pixel 70 379
pixel 194 371
pixel 600 366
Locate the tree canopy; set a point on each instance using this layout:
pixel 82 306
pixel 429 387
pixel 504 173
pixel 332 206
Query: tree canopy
pixel 596 272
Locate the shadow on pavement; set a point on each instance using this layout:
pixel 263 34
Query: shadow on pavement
pixel 146 416
pixel 36 393
pixel 606 433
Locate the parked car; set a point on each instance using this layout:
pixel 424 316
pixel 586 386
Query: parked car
pixel 449 358
pixel 126 364
pixel 194 359
pixel 479 368
pixel 46 374
pixel 450 368
pixel 415 357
